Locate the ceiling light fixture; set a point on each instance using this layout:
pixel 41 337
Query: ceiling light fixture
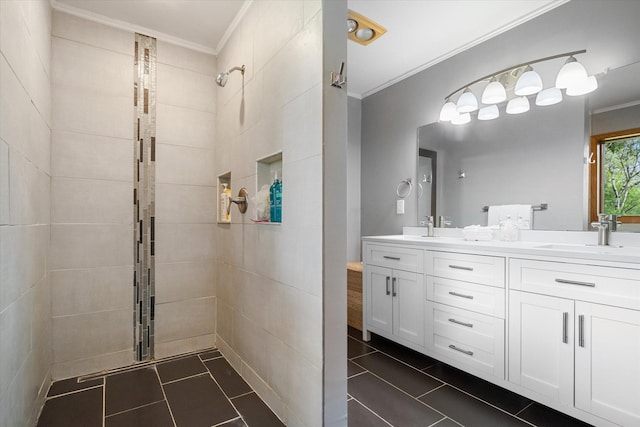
pixel 361 29
pixel 524 82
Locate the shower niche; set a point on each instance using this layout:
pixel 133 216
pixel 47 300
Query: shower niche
pixel 268 206
pixel 224 198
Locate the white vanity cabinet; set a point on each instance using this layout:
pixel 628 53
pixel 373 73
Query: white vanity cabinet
pixel 394 293
pixel 465 311
pixel 574 336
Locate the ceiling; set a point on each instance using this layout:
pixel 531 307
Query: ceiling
pixel 420 33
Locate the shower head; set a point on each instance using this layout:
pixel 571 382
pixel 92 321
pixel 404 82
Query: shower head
pixel 222 78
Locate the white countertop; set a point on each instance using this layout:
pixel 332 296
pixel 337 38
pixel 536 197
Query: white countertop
pixel 584 251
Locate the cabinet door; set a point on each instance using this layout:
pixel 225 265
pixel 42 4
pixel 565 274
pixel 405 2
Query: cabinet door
pixel 408 306
pixel 541 345
pixel 608 362
pixel 379 302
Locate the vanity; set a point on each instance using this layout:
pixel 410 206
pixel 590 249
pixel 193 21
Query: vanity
pixel 558 323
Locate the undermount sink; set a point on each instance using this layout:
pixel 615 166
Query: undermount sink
pixel 594 249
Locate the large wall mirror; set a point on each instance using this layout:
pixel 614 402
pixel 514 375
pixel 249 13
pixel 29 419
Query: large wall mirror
pixel 540 157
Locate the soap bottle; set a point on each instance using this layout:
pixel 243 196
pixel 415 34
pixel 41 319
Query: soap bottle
pixel 275 200
pixel 223 202
pixel 227 192
pixel 508 230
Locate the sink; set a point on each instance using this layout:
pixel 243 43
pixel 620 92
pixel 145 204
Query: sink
pixel 593 249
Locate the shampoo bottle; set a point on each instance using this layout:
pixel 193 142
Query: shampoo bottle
pixel 275 200
pixel 227 192
pixel 223 203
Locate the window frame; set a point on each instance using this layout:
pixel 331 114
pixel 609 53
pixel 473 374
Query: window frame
pixel 595 172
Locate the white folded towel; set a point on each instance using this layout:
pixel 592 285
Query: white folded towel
pixel 522 215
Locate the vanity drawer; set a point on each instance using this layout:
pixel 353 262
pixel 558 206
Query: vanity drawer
pixel 487 270
pixel 605 285
pixel 399 258
pixel 471 296
pixel 469 338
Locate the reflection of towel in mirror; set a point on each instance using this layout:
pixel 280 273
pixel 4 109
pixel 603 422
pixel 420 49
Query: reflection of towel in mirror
pixel 499 213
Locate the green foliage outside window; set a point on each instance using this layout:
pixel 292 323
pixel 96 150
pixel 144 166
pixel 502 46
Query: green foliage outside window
pixel 622 177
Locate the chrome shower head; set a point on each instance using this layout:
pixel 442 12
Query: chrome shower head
pixel 222 78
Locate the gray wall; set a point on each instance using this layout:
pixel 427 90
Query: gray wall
pixel 608 30
pixel 611 121
pixel 354 126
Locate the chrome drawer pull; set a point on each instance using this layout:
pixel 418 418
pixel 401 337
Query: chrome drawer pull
pixel 581 330
pixel 460 267
pixel 455 294
pixel 388 278
pixel 395 258
pixel 468 352
pixel 393 287
pixel 468 325
pixel 575 282
pixel 565 327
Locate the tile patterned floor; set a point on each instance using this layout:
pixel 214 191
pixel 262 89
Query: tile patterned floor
pixel 191 391
pixel 392 385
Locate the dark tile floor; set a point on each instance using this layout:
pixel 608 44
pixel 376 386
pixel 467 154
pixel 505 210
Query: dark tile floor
pixel 191 391
pixel 392 385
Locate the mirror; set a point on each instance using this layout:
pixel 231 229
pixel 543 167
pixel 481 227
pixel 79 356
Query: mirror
pixel 427 184
pixel 540 157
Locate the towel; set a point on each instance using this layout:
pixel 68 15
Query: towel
pixel 521 215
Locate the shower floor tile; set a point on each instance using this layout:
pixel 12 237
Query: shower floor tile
pixel 187 396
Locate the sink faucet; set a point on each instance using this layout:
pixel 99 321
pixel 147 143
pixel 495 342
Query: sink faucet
pixel 606 224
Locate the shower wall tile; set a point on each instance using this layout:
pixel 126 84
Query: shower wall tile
pixel 185 281
pixel 307 193
pixel 91 201
pixel 23 190
pixel 91 290
pixel 304 324
pixel 90 245
pixel 305 387
pixel 89 335
pixel 4 183
pixel 302 126
pixel 177 56
pixel 186 204
pixel 180 165
pixel 81 155
pixel 93 113
pixel 14 108
pixel 181 87
pixel 172 324
pixel 311 8
pixel 91 33
pixel 185 127
pixel 100 70
pixel 185 345
pixel 38 147
pixel 89 365
pixel 15 327
pixel 184 242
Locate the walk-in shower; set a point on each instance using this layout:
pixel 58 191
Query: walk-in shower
pixel 221 79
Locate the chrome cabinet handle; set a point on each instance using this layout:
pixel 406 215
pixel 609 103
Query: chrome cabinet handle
pixel 457 322
pixel 455 294
pixel 468 352
pixel 460 267
pixel 565 327
pixel 581 330
pixel 395 258
pixel 575 282
pixel 388 278
pixel 393 287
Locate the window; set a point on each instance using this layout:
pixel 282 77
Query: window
pixel 614 176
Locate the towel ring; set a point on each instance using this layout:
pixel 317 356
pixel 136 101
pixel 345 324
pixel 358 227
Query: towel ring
pixel 407 183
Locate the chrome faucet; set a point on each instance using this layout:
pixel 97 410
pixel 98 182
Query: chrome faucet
pixel 430 232
pixel 605 225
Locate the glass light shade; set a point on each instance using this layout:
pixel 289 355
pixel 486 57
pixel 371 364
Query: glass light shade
pixel 518 105
pixel 571 73
pixel 448 111
pixel 587 86
pixel 461 119
pixel 494 93
pixel 488 113
pixel 467 102
pixel 365 34
pixel 549 96
pixel 351 25
pixel 528 83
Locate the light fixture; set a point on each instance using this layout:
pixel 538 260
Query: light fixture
pixel 494 93
pixel 549 96
pixel 448 111
pixel 518 105
pixel 571 73
pixel 584 87
pixel 361 29
pixel 461 119
pixel 467 102
pixel 528 83
pixel 522 81
pixel 488 113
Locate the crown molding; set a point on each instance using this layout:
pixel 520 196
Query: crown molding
pixel 234 24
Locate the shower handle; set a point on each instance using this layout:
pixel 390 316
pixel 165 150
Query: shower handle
pixel 241 201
